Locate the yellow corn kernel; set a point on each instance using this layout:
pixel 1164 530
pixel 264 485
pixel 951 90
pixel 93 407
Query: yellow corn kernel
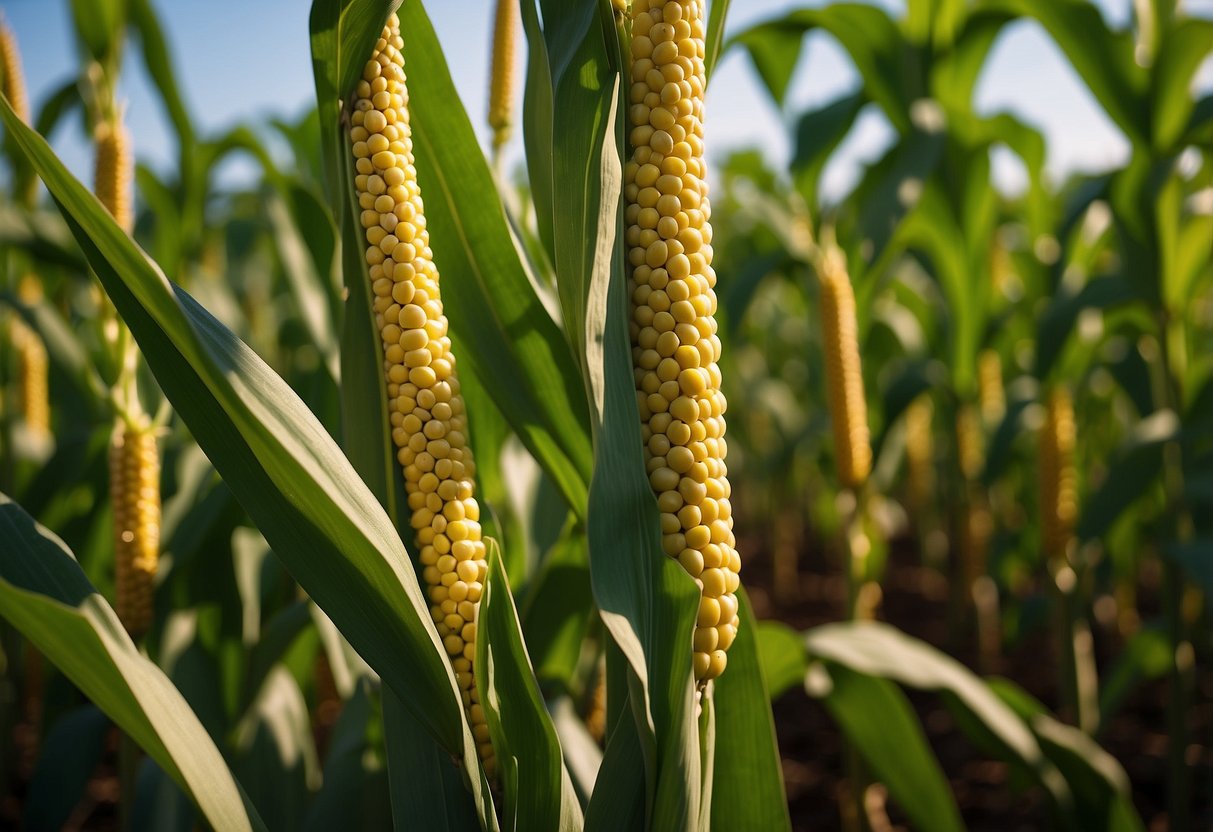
pixel 114 171
pixel 32 375
pixel 425 407
pixel 501 85
pixel 920 452
pixel 990 395
pixel 1058 477
pixel 134 469
pixel 12 80
pixel 673 306
pixel 844 375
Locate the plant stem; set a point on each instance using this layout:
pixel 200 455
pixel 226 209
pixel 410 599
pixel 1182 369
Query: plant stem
pixel 128 768
pixel 854 815
pixel 1181 677
pixel 1169 395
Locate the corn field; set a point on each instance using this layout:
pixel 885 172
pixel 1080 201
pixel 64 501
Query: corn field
pixel 622 487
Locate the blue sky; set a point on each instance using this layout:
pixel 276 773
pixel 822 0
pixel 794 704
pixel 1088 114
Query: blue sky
pixel 242 62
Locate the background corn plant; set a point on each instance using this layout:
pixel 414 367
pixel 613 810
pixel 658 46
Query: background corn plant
pixel 292 677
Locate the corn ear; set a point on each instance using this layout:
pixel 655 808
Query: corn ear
pixel 844 374
pixel 12 82
pixel 134 469
pixel 32 367
pixel 1058 477
pixel 675 348
pixel 502 82
pixel 991 397
pixel 595 717
pixel 426 410
pixel 969 450
pixel 114 171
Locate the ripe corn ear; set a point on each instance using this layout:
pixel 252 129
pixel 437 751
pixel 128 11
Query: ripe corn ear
pixel 426 410
pixel 1058 477
pixel 12 83
pixel 32 376
pixel 595 717
pixel 969 451
pixel 114 171
pixel 134 468
pixel 675 348
pixel 990 395
pixel 844 375
pixel 501 85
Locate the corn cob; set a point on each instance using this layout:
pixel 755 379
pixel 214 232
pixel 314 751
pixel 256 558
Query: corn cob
pixel 990 396
pixel 595 717
pixel 674 344
pixel 31 353
pixel 114 171
pixel 840 340
pixel 1058 478
pixel 920 452
pixel 426 411
pixel 32 375
pixel 134 469
pixel 968 441
pixel 501 85
pixel 12 82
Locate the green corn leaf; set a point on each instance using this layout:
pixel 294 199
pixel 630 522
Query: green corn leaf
pixel 1102 794
pixel 875 43
pixel 45 595
pixel 427 792
pixel 354 793
pixel 884 652
pixel 68 756
pixel 781 656
pixel 818 134
pixel 878 719
pixel 1133 469
pixel 747 765
pixel 318 516
pixel 498 322
pixel 275 752
pixel 538 791
pixel 718 10
pixel 1103 58
pixel 156 57
pixel 647 602
pixel 1185 45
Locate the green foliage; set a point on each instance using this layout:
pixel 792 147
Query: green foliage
pixel 295 667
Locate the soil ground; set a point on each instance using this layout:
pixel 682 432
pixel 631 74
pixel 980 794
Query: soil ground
pixel 915 599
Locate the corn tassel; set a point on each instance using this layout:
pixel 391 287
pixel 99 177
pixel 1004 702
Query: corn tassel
pixel 134 468
pixel 114 171
pixel 920 452
pixel 844 375
pixel 1058 477
pixel 12 83
pixel 501 85
pixel 990 395
pixel 674 343
pixel 426 411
